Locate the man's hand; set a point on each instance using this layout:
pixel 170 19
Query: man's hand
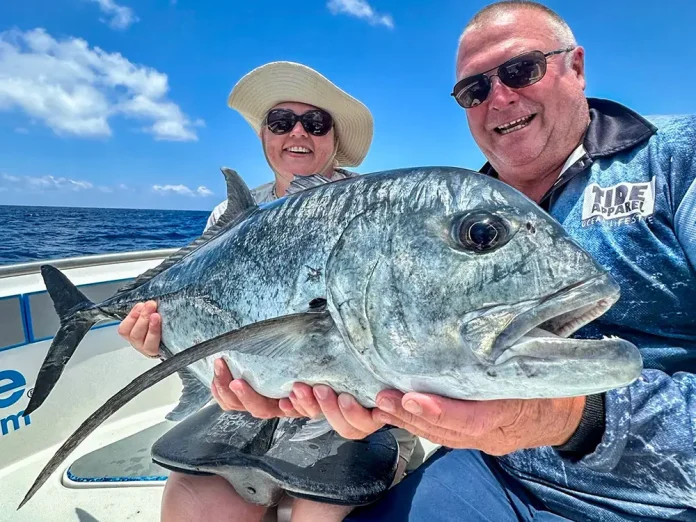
pixel 496 427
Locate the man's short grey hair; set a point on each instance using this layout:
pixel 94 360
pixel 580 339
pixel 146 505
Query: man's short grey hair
pixel 561 30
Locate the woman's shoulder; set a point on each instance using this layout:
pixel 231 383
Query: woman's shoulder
pixel 263 193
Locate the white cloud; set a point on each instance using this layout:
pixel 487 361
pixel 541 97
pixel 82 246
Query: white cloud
pixel 49 183
pixel 360 9
pixel 43 183
pixel 76 90
pixel 182 190
pixel 121 17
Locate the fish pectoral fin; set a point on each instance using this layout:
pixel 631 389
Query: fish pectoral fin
pixel 283 335
pixel 271 337
pixel 313 429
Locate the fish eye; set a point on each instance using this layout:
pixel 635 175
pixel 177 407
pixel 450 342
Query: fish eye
pixel 480 231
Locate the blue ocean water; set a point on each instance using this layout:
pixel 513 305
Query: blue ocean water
pixel 42 233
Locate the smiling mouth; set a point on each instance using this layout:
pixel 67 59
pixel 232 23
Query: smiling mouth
pixel 514 125
pixel 300 151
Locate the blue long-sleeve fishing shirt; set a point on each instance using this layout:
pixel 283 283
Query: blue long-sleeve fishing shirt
pixel 630 200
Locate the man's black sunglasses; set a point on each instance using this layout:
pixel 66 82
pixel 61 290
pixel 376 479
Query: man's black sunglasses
pixel 518 72
pixel 316 121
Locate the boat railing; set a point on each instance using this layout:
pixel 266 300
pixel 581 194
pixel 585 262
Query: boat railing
pixel 34 267
pixel 27 314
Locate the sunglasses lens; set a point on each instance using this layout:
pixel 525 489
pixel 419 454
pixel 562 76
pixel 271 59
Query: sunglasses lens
pixel 317 122
pixel 523 71
pixel 280 121
pixel 471 92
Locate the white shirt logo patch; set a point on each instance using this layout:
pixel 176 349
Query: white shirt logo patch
pixel 619 204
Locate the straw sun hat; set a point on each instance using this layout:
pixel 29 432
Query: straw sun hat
pixel 264 87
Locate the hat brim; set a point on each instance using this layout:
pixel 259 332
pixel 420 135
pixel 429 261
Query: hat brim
pixel 266 86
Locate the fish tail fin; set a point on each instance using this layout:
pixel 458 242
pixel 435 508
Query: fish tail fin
pixel 77 315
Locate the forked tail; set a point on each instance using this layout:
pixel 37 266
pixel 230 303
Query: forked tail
pixel 77 315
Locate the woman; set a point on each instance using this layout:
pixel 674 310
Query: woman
pixel 307 126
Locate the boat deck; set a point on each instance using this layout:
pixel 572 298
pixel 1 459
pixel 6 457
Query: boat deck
pixel 62 500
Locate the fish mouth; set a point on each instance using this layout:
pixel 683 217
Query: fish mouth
pixel 555 318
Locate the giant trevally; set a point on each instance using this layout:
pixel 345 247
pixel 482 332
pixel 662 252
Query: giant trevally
pixel 438 280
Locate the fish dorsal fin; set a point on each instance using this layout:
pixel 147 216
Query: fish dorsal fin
pixel 239 198
pixel 239 203
pixel 301 183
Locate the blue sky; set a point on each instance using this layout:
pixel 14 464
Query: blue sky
pixel 118 103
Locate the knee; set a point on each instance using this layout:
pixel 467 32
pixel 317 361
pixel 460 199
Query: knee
pixel 310 511
pixel 209 498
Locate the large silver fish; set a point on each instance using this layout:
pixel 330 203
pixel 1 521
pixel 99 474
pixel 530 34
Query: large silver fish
pixel 438 280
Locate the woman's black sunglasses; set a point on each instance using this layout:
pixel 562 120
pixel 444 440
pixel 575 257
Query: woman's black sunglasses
pixel 316 121
pixel 518 72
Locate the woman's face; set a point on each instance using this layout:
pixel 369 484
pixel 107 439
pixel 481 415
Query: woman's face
pixel 298 152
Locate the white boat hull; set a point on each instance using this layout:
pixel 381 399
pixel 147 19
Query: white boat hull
pixel 102 365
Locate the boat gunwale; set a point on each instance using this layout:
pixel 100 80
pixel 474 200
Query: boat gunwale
pixel 34 267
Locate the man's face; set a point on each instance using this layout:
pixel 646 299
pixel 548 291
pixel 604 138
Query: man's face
pixel 553 111
pixel 297 152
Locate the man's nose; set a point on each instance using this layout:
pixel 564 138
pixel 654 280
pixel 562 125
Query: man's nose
pixel 501 95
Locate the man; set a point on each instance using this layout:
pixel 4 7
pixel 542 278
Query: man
pixel 624 187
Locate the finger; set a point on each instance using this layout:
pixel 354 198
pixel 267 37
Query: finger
pixel 306 400
pixel 434 434
pixel 154 335
pixel 298 407
pixel 259 406
pixel 329 406
pixel 356 415
pixel 124 329
pixel 225 405
pixel 473 418
pixel 390 406
pixel 139 331
pixel 288 409
pixel 221 382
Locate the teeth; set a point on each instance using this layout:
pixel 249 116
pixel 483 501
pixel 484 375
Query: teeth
pixel 303 150
pixel 514 125
pixel 585 318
